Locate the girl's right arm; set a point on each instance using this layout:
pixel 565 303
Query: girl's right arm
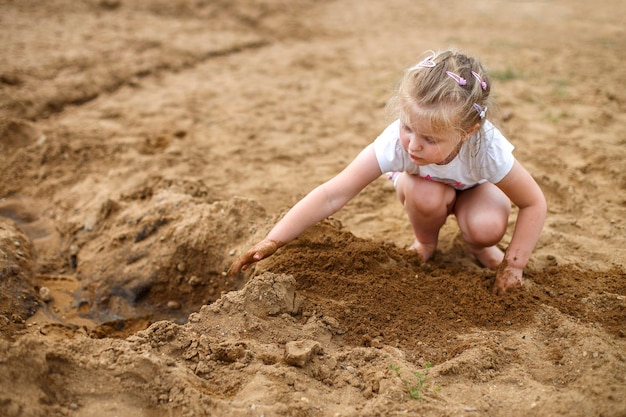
pixel 322 202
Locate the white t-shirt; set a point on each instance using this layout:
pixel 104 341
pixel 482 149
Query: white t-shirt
pixel 484 157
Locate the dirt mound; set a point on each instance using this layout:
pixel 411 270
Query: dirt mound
pixel 166 253
pixel 269 349
pixel 385 297
pixel 19 298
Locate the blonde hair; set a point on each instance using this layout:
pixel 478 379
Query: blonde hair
pixel 448 88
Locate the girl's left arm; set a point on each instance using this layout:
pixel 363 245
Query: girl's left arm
pixel 525 193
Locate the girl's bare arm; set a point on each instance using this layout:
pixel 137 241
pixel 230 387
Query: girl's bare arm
pixel 319 204
pixel 525 193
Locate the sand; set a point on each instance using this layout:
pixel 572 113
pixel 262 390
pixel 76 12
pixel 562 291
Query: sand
pixel 145 145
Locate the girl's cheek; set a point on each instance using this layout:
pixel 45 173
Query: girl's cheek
pixel 404 140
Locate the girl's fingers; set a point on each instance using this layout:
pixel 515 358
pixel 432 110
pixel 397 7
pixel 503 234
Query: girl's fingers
pixel 260 251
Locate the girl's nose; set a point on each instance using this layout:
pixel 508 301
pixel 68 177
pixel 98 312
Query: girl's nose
pixel 414 145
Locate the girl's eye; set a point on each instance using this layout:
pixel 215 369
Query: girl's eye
pixel 429 140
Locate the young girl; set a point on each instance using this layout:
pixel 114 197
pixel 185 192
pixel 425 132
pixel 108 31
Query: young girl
pixel 444 157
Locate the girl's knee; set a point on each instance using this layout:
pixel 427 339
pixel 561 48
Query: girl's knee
pixel 483 214
pixel 426 196
pixel 486 229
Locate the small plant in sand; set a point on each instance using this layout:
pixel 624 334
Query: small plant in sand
pixel 416 387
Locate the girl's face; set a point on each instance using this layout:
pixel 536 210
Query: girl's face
pixel 426 146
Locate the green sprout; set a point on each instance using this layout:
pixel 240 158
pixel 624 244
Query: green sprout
pixel 414 389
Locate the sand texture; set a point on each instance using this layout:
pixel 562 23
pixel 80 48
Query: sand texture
pixel 144 145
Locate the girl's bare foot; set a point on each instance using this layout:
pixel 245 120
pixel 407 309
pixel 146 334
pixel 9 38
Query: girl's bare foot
pixel 490 257
pixel 425 251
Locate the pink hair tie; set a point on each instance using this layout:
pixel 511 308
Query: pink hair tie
pixel 460 80
pixel 483 84
pixel 482 111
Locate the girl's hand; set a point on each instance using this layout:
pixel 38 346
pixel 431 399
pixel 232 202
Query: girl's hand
pixel 261 250
pixel 507 278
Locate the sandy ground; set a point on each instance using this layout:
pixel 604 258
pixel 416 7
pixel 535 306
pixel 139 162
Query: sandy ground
pixel 145 144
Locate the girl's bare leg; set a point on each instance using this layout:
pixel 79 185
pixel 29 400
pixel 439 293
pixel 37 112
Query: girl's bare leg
pixel 482 214
pixel 427 204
